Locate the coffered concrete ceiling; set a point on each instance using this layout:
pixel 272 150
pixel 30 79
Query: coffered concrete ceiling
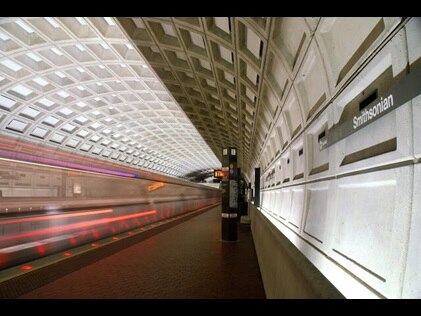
pixel 229 75
pixel 80 84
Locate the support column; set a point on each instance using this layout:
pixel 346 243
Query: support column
pixel 229 194
pixel 257 187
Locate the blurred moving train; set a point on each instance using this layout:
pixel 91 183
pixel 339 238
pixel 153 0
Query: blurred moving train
pixel 50 208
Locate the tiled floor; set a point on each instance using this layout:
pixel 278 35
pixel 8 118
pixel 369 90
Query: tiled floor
pixel 185 261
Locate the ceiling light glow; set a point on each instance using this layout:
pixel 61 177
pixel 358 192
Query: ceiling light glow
pixel 25 26
pixel 52 22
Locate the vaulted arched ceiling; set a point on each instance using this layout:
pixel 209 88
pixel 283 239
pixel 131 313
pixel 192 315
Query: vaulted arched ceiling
pixel 79 84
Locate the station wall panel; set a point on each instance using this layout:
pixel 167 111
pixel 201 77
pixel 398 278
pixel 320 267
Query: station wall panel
pixel 317 212
pixel 416 117
pixel 286 196
pixel 297 206
pixel 276 209
pixel 374 144
pixel 371 226
pixel 286 165
pixel 412 281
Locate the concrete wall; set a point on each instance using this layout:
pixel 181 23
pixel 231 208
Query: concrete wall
pixel 286 272
pixel 353 207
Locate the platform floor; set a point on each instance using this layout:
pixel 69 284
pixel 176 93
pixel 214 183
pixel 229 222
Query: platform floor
pixel 186 261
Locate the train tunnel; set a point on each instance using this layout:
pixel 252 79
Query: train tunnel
pixel 105 121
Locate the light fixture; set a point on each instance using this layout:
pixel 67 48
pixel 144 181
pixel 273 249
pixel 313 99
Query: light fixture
pixel 25 26
pixel 22 90
pixel 4 37
pixel 109 21
pixel 40 81
pixel 80 47
pixel 56 51
pixel 52 22
pixel 81 21
pixel 60 74
pixel 11 65
pixel 33 57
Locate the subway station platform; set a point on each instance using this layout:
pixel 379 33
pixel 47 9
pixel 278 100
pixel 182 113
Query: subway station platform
pixel 185 261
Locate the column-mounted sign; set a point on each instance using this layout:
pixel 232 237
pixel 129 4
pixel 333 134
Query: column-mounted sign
pixel 229 194
pixel 233 194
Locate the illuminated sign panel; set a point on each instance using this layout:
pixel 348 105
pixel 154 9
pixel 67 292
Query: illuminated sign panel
pixel 217 173
pixel 155 186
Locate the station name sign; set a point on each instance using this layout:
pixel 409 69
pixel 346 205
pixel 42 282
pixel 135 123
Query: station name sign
pixel 403 91
pixel 368 114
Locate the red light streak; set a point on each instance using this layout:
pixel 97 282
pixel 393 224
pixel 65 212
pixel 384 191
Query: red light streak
pixel 94 244
pixel 67 254
pixel 52 217
pixel 73 241
pixel 116 238
pixel 60 229
pixel 26 267
pixel 41 249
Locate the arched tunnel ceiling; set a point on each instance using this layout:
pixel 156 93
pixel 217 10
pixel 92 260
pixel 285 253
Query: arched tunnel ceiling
pixel 229 75
pixel 255 82
pixel 80 84
pixel 214 68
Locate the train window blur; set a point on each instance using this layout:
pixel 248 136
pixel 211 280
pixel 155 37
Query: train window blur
pixel 48 209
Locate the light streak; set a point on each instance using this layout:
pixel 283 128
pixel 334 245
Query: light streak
pixel 20 145
pixel 64 228
pixel 155 186
pixel 53 217
pixel 54 162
